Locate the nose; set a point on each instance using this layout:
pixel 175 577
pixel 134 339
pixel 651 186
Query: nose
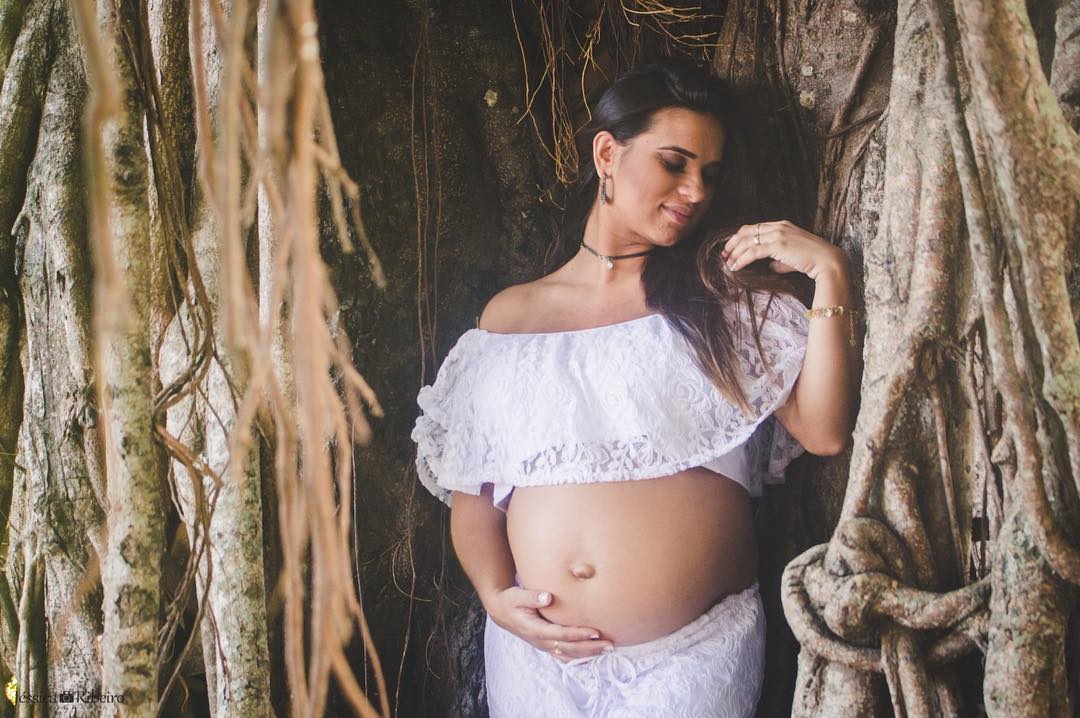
pixel 693 188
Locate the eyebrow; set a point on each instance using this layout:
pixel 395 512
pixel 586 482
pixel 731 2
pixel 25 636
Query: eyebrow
pixel 684 151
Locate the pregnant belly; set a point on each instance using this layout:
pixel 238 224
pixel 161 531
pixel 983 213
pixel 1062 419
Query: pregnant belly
pixel 634 559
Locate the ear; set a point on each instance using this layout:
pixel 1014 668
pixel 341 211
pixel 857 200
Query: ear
pixel 604 151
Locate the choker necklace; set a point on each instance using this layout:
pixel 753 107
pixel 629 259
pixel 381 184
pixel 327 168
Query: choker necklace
pixel 609 257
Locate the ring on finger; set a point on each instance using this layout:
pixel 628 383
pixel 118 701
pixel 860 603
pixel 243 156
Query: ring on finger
pixel 557 651
pixel 757 236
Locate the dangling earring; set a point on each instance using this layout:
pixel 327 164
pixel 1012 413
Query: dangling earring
pixel 603 189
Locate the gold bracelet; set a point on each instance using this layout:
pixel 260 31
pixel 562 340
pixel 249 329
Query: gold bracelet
pixel 837 310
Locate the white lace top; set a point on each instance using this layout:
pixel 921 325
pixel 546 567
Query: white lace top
pixel 613 403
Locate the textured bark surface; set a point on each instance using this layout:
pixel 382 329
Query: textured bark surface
pixel 1028 601
pixel 131 571
pixel 1035 176
pixel 1007 161
pixel 56 519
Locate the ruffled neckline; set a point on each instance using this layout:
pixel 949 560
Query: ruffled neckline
pixel 616 402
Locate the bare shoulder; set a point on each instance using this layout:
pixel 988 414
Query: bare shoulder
pixel 505 311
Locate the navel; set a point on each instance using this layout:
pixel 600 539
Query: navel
pixel 582 570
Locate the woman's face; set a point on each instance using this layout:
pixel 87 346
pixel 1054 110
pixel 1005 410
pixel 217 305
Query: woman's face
pixel 663 179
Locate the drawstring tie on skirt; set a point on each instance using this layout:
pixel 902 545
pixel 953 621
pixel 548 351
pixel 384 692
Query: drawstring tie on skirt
pixel 589 674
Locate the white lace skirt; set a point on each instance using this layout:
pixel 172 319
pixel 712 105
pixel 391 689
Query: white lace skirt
pixel 710 668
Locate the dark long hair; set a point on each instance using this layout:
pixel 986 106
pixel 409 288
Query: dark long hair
pixel 687 282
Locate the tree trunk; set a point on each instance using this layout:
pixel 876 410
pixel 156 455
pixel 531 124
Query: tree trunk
pixel 120 227
pixel 1028 185
pixel 56 514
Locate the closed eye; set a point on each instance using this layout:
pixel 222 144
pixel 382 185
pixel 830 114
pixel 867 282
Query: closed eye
pixel 711 176
pixel 673 167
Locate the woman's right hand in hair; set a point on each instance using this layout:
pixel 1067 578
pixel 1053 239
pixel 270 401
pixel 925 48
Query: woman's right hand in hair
pixel 517 610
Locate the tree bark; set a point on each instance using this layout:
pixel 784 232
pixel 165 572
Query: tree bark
pixel 1012 284
pixel 56 519
pixel 131 573
pixel 1030 192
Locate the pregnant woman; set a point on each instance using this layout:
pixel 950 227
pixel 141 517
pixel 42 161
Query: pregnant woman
pixel 600 434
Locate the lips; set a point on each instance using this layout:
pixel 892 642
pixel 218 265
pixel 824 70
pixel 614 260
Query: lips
pixel 680 216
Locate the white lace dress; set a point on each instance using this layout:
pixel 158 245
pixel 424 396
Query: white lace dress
pixel 620 402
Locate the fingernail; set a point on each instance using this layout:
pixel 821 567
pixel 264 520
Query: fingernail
pixel 544 597
pixel 609 649
pixel 595 636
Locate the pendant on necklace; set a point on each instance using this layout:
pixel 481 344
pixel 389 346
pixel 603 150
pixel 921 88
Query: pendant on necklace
pixel 610 264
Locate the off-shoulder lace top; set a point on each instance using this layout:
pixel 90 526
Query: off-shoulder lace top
pixel 619 402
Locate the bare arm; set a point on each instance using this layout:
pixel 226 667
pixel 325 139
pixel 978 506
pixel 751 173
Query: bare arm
pixel 820 413
pixel 478 531
pixel 821 410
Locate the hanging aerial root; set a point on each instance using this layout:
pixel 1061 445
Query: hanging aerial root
pixel 322 417
pixel 1028 485
pixel 682 30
